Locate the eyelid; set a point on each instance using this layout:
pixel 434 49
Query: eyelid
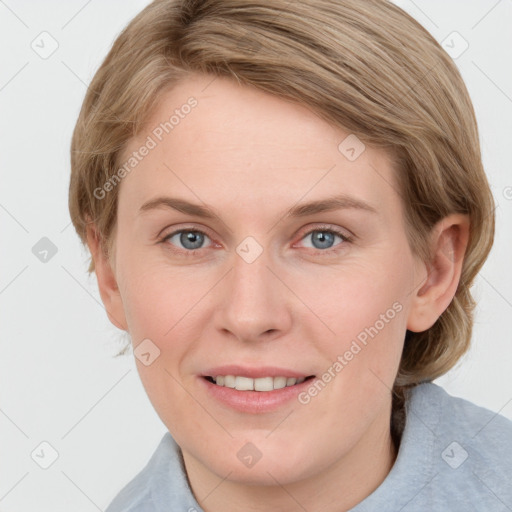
pixel 179 229
pixel 326 227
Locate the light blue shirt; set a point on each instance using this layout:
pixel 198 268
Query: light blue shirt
pixel 453 456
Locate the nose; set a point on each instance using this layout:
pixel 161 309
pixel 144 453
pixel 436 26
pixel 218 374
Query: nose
pixel 255 303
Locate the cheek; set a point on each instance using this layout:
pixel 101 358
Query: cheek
pixel 161 309
pixel 157 300
pixel 352 299
pixel 365 311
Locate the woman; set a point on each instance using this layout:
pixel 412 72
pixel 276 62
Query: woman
pixel 286 208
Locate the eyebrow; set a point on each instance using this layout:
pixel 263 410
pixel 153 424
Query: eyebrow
pixel 328 204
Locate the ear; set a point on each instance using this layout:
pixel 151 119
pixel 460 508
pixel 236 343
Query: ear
pixel 107 283
pixel 448 244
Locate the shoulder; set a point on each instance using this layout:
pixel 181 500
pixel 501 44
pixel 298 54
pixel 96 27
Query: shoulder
pixel 471 447
pixel 485 431
pixel 160 483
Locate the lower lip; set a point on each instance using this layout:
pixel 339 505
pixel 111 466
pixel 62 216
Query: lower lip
pixel 254 401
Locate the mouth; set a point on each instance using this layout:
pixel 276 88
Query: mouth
pixel 262 384
pixel 254 390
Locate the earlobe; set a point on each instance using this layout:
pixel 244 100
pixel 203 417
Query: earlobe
pixel 436 291
pixel 107 283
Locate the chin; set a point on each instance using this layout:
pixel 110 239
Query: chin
pixel 254 460
pixel 264 472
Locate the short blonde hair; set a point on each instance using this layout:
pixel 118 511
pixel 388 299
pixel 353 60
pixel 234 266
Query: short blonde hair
pixel 365 66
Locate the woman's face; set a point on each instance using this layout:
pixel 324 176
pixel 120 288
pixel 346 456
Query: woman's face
pixel 289 277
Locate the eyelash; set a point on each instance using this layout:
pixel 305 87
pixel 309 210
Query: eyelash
pixel 323 229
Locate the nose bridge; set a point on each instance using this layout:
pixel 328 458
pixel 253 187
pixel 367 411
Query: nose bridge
pixel 250 278
pixel 255 301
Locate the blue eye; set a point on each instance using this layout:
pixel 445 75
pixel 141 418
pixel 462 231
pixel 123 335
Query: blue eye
pixel 323 239
pixel 191 240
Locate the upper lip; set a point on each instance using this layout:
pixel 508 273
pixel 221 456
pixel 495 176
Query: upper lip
pixel 255 372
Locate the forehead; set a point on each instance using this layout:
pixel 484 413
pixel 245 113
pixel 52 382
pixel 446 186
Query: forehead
pixel 227 143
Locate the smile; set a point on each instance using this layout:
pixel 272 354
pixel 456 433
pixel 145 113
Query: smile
pixel 263 384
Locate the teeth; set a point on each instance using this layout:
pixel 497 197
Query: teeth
pixel 279 382
pixel 261 384
pixel 244 383
pixel 229 381
pixel 264 384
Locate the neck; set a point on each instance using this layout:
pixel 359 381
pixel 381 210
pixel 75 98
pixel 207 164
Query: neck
pixel 336 488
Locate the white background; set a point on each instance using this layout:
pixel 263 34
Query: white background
pixel 59 380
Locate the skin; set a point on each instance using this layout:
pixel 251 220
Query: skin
pixel 250 157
